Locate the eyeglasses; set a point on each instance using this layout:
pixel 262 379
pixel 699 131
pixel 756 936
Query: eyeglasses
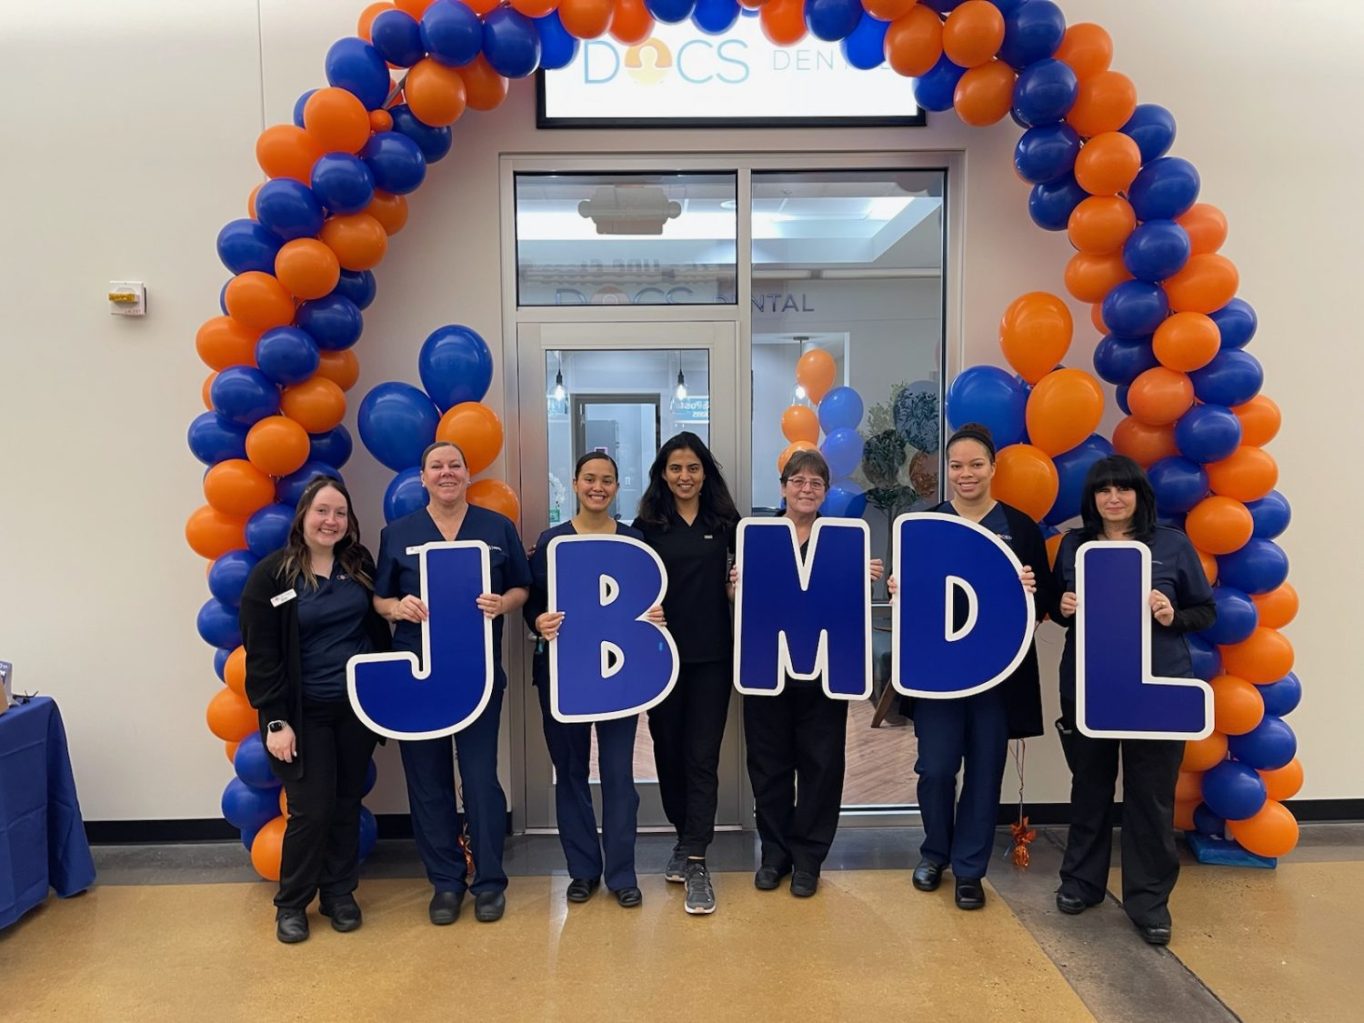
pixel 806 483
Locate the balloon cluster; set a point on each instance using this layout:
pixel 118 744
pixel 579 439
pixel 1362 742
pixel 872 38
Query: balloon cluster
pixel 837 412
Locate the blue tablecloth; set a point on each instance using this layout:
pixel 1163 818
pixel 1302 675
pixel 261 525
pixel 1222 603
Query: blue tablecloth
pixel 42 836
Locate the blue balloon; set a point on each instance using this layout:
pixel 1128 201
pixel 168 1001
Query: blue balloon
pixel 842 449
pixel 1164 188
pixel 222 296
pixel 217 624
pixel 404 494
pixel 397 422
pixel 1007 7
pixel 1236 322
pixel 287 355
pixel 1046 153
pixel 1268 746
pixel 342 182
pixel 1208 823
pixel 839 409
pixel 510 42
pixel 1179 483
pixel 1051 203
pixel 397 37
pixel 334 322
pixel 243 394
pixel 1236 617
pixel 248 837
pixel 290 488
pixel 1173 520
pixel 1032 32
pixel 1135 308
pixel 1232 378
pixel 333 447
pixel 845 499
pixel 247 807
pixel 252 764
pixel 1045 92
pixel 558 46
pixel 1205 658
pixel 1271 515
pixel 456 365
pixel 1208 433
pixel 989 396
pixel 289 209
pixel 246 245
pixel 220 657
pixel 434 142
pixel 299 104
pixel 213 439
pixel 832 20
pixel 452 33
pixel 371 776
pixel 357 286
pixel 1233 791
pixel 1156 250
pixel 1152 128
pixel 227 576
pixel 1071 467
pixel 864 48
pixel 369 833
pixel 268 529
pixel 1258 567
pixel 396 161
pixel 1282 697
pixel 1120 360
pixel 670 12
pixel 933 90
pixel 1120 398
pixel 356 66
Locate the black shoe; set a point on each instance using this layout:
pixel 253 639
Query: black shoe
pixel 291 926
pixel 629 897
pixel 970 893
pixel 1071 905
pixel 769 878
pixel 676 870
pixel 489 907
pixel 1152 934
pixel 344 911
pixel 580 889
pixel 927 876
pixel 804 884
pixel 444 908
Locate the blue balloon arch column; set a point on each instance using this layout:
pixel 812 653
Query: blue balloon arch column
pixel 282 352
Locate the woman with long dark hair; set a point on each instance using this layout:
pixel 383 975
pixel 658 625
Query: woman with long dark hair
pixel 305 611
pixel 688 517
pixel 1118 504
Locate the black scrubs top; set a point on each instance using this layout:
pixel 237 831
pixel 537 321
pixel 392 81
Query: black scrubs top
pixel 696 605
pixel 331 630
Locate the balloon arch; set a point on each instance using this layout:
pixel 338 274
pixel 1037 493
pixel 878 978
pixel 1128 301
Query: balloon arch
pixel 1146 258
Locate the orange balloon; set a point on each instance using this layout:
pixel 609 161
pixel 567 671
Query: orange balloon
pixel 1087 48
pixel 1283 782
pixel 631 22
pixel 211 534
pixel 237 488
pixel 230 717
pixel 337 120
pixel 1101 223
pixel 484 88
pixel 287 151
pixel 251 201
pixel 1265 657
pixel 495 496
pixel 914 42
pixel 1143 443
pixel 358 240
pixel 1278 607
pixel 1206 226
pixel 888 10
pixel 1219 525
pixel 341 368
pixel 1184 811
pixel 1207 283
pixel 534 8
pixel 972 33
pixel 1025 478
pixel 1053 545
pixel 1186 341
pixel 1089 277
pixel 1064 408
pixel 1271 833
pixel 1096 317
pixel 223 342
pixel 1209 566
pixel 206 391
pixel 307 268
pixel 783 21
pixel 435 93
pixel 389 210
pixel 1248 475
pixel 1260 420
pixel 586 19
pixel 277 445
pixel 799 422
pixel 317 404
pixel 267 849
pixel 234 671
pixel 1104 102
pixel 791 449
pixel 1204 754
pixel 476 429
pixel 365 26
pixel 482 7
pixel 1108 163
pixel 283 803
pixel 1188 786
pixel 1237 705
pixel 816 371
pixel 258 301
pixel 1160 396
pixel 380 120
pixel 1035 334
pixel 984 94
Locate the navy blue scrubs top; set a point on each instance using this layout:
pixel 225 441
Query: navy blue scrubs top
pixel 995 521
pixel 398 574
pixel 331 630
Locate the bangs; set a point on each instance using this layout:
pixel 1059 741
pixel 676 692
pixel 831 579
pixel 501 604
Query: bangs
pixel 1116 471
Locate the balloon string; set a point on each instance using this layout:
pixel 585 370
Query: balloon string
pixel 1021 832
pixel 466 844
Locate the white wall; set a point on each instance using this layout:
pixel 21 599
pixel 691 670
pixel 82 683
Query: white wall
pixel 129 143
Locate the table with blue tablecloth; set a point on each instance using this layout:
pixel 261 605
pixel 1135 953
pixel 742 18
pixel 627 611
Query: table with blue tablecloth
pixel 42 836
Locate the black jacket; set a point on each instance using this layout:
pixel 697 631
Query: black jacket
pixel 274 683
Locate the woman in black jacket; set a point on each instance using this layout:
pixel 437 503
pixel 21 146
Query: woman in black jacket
pixel 305 611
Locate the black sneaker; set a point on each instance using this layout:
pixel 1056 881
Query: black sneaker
pixel 700 891
pixel 291 926
pixel 344 912
pixel 676 870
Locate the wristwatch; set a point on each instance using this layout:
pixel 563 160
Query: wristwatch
pixel 276 726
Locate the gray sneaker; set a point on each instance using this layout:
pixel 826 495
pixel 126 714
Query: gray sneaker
pixel 676 870
pixel 700 892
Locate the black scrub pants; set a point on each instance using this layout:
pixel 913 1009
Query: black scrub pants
pixel 687 729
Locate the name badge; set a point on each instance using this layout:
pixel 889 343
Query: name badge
pixel 282 598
